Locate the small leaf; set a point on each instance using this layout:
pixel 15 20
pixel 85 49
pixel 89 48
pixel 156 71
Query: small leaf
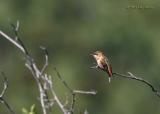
pixel 24 111
pixel 33 108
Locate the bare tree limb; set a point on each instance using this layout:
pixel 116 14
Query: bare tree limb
pixel 59 102
pixel 12 41
pixel 73 92
pixel 46 59
pixel 133 77
pixel 5 84
pixel 2 100
pixel 62 80
pixel 30 64
pixel 73 103
pixel 85 92
pixel 44 81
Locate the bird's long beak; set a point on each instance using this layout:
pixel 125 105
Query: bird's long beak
pixel 91 54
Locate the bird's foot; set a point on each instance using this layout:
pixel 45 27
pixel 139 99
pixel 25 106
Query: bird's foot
pixel 94 66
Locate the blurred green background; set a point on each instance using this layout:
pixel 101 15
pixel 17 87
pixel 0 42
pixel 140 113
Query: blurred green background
pixel 71 30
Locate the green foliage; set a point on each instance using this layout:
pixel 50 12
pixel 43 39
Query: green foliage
pixel 31 111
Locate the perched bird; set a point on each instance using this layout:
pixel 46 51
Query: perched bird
pixel 103 63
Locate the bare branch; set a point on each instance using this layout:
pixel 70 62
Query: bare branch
pixel 43 81
pixel 133 77
pixel 5 84
pixel 15 29
pixel 58 102
pixel 30 64
pixel 63 81
pixel 12 41
pixel 17 38
pixel 46 59
pixel 2 100
pixel 73 92
pixel 85 92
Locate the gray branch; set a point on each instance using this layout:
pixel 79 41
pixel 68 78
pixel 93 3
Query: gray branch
pixel 2 100
pixel 43 80
pixel 73 92
pixel 133 77
pixel 31 65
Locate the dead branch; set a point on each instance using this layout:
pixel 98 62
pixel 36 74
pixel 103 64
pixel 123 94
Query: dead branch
pixel 43 80
pixel 31 65
pixel 2 100
pixel 133 77
pixel 73 92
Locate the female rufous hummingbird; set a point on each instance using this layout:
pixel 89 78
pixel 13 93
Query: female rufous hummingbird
pixel 103 63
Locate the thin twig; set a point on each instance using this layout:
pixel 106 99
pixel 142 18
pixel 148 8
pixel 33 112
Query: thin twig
pixel 2 100
pixel 58 101
pixel 131 76
pixel 72 91
pixel 12 41
pixel 85 92
pixel 73 103
pixel 5 84
pixel 30 64
pixel 17 38
pixel 42 79
pixel 46 59
pixel 63 81
pixel 15 29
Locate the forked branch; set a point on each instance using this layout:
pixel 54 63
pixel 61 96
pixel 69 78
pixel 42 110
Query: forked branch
pixel 133 77
pixel 73 92
pixel 2 100
pixel 43 80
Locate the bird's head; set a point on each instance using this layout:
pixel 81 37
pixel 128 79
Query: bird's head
pixel 97 55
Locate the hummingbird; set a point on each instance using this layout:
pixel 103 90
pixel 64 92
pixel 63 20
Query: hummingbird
pixel 103 63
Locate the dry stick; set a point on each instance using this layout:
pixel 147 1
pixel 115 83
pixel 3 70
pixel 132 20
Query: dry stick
pixel 50 82
pixel 46 77
pixel 40 86
pixel 73 102
pixel 35 71
pixel 46 59
pixel 31 65
pixel 131 76
pixel 38 75
pixel 16 29
pixel 58 101
pixel 85 92
pixel 12 41
pixel 73 92
pixel 62 80
pixel 33 68
pixel 2 100
pixel 70 90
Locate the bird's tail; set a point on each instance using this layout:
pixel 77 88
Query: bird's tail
pixel 109 79
pixel 110 73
